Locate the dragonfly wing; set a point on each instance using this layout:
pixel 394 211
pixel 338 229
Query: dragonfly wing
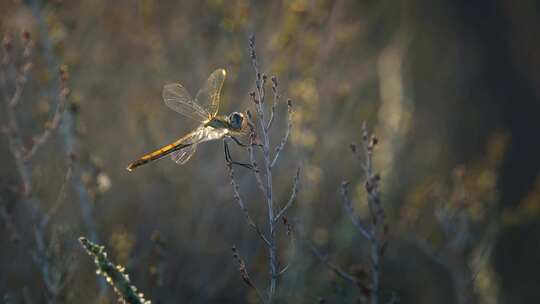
pixel 208 96
pixel 182 156
pixel 178 99
pixel 194 138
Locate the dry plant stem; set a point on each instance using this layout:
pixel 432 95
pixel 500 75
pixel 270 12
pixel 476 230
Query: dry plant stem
pixel 54 284
pixel 292 198
pixel 259 138
pixel 293 245
pixel 336 269
pixel 114 274
pixel 286 137
pixel 51 126
pixel 67 131
pixel 371 232
pixel 244 274
pixel 243 207
pixel 268 172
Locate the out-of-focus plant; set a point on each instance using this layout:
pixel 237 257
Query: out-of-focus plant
pixel 374 230
pixel 455 220
pixel 114 274
pixel 260 125
pixel 15 70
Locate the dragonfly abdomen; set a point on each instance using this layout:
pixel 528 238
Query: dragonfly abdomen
pixel 160 153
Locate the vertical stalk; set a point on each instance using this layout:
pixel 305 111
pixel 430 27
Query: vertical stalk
pixel 272 251
pixel 375 274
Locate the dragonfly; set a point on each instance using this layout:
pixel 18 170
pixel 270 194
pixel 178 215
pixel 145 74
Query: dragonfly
pixel 204 110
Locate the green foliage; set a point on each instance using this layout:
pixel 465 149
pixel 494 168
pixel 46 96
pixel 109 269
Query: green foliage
pixel 114 274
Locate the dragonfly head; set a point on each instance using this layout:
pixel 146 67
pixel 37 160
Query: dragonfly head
pixel 236 120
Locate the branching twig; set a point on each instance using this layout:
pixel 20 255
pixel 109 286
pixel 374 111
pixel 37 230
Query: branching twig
pixel 350 211
pixel 259 137
pixel 274 104
pixel 54 123
pixel 292 198
pixel 290 233
pixel 336 269
pixel 244 274
pixel 243 207
pixel 286 136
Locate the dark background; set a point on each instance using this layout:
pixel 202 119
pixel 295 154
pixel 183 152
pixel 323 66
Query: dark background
pixel 451 88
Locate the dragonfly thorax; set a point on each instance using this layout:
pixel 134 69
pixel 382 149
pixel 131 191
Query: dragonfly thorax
pixel 233 122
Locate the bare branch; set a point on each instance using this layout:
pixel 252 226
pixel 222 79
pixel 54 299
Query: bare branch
pixel 252 144
pixel 274 104
pixel 244 274
pixel 258 99
pixel 290 233
pixel 350 212
pixel 243 207
pixel 292 198
pixel 336 269
pixel 55 121
pixel 286 136
pixel 61 195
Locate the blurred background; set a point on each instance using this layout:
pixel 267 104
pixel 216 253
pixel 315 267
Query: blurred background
pixel 451 88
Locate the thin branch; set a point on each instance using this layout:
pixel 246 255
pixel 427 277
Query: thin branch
pixel 244 274
pixel 8 222
pixel 336 269
pixel 259 101
pixel 286 136
pixel 350 212
pixel 61 195
pixel 243 207
pixel 290 233
pixel 292 198
pixel 251 152
pixel 274 104
pixel 54 123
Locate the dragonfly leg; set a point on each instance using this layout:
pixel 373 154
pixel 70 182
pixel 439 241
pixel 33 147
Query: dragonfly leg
pixel 238 142
pixel 229 160
pixel 241 144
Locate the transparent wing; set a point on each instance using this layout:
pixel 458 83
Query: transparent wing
pixel 183 156
pixel 194 138
pixel 178 99
pixel 208 96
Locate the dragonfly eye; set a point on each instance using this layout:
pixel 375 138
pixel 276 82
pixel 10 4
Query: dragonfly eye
pixel 236 119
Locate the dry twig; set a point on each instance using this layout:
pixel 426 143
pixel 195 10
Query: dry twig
pixel 260 141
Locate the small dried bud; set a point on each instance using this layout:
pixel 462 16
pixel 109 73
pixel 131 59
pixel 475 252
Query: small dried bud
pixel 274 81
pixel 65 92
pixel 364 132
pixel 27 67
pixel 73 156
pixel 289 103
pixel 258 75
pixel 26 36
pixel 7 41
pixel 264 77
pixel 374 140
pixel 64 73
pixel 156 236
